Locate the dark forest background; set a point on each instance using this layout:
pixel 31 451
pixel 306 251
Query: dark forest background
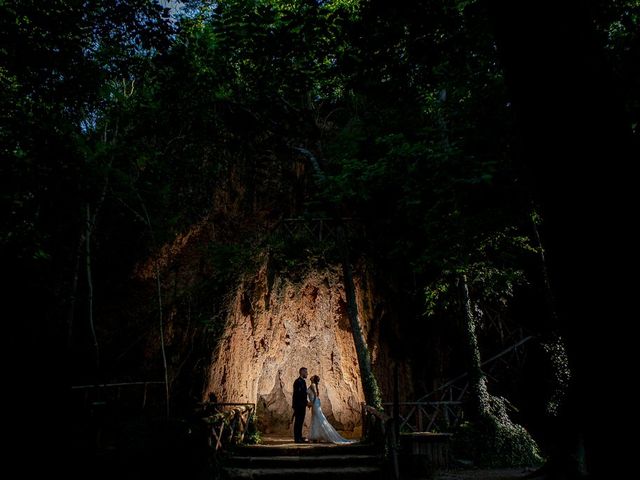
pixel 484 147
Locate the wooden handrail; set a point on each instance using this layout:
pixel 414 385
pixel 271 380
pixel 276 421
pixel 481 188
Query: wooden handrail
pixel 232 419
pixel 414 414
pixel 489 360
pixel 124 384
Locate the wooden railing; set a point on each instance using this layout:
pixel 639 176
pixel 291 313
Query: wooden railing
pixel 442 416
pixel 378 428
pixel 317 229
pixel 227 423
pixel 442 409
pixel 454 389
pixel 117 389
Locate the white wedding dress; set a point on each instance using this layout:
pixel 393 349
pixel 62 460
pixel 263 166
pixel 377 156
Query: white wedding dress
pixel 321 430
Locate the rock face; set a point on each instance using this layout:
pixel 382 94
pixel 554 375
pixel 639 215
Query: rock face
pixel 277 325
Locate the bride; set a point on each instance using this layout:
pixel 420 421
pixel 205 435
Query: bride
pixel 321 430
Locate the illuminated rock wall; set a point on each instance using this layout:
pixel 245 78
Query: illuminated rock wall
pixel 277 325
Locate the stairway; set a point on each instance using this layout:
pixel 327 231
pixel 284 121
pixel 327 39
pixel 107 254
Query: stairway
pixel 309 461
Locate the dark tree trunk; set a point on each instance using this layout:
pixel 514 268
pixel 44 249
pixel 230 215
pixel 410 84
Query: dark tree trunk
pixel 548 291
pixel 575 142
pixel 477 380
pixel 369 381
pixel 73 295
pixel 94 337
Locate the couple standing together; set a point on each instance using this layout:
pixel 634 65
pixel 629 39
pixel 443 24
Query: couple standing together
pixel 321 430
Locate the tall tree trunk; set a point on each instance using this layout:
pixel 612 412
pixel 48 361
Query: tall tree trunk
pixel 161 328
pixel 90 284
pixel 160 309
pixel 477 380
pixel 497 438
pixel 369 381
pixel 551 340
pixel 74 289
pixel 548 291
pixel 89 227
pixel 146 219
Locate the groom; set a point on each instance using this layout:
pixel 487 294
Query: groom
pixel 299 403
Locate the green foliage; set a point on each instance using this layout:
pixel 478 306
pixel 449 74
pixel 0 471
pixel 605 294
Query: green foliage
pixel 420 152
pixel 495 441
pixel 53 71
pixel 616 23
pixel 290 254
pixel 229 262
pixel 293 252
pixel 493 275
pixel 556 352
pixel 252 435
pixel 206 298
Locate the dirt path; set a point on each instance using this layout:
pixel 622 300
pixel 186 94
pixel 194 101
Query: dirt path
pixel 494 474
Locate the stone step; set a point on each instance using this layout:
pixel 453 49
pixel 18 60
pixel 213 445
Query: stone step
pixel 304 461
pixel 306 450
pixel 338 473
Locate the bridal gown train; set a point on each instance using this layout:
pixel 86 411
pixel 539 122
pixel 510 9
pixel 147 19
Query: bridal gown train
pixel 321 430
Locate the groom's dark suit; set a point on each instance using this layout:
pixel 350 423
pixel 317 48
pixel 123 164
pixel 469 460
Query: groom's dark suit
pixel 299 404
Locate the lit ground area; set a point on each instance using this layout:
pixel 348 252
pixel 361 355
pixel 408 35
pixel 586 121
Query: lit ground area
pixel 287 441
pixel 479 474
